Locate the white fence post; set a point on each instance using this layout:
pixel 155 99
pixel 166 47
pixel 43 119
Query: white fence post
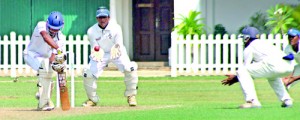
pixel 195 52
pixel 13 65
pixel 174 54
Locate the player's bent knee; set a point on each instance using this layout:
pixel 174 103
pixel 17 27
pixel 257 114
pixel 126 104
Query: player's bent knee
pixel 87 73
pixel 44 74
pixel 132 66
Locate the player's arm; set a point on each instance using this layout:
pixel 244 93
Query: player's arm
pixel 92 38
pixel 49 40
pixel 97 52
pixel 290 79
pixel 115 51
pixel 248 57
pixel 51 59
pixel 295 78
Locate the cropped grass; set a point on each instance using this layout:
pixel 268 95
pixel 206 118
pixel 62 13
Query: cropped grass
pixel 164 98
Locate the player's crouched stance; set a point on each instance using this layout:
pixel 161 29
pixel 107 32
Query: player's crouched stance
pixel 261 60
pixel 40 54
pixel 106 41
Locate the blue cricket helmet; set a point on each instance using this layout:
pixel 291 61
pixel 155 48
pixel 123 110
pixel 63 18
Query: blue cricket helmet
pixel 250 32
pixel 102 12
pixel 55 20
pixel 293 32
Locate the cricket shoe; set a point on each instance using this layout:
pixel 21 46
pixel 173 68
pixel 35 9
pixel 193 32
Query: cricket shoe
pixel 250 104
pixel 47 107
pixel 131 101
pixel 287 103
pixel 89 103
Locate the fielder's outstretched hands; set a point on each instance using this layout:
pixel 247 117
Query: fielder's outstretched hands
pixel 115 51
pixel 97 54
pixel 230 80
pixel 290 81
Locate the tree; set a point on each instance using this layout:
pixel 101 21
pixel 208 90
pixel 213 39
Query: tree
pixel 190 25
pixel 280 19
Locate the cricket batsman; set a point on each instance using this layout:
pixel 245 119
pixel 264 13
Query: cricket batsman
pixel 261 60
pixel 106 41
pixel 46 41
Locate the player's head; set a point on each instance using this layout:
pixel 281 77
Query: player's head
pixel 250 33
pixel 293 32
pixel 103 16
pixel 55 21
pixel 293 36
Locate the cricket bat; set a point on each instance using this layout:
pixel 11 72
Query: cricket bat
pixel 64 95
pixel 63 89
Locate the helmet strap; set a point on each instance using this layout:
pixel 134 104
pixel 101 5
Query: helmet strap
pixel 51 33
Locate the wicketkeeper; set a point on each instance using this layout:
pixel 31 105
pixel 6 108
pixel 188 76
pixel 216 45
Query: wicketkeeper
pixel 261 60
pixel 106 41
pixel 41 52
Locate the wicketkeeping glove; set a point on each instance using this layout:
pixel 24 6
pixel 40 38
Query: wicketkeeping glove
pixel 115 51
pixel 230 80
pixel 97 55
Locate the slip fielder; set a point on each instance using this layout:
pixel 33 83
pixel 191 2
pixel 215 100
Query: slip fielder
pixel 293 50
pixel 261 60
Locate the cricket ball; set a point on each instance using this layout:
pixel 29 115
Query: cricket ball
pixel 97 48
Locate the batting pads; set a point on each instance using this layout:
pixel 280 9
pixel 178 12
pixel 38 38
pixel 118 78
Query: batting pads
pixel 90 85
pixel 45 81
pixel 131 79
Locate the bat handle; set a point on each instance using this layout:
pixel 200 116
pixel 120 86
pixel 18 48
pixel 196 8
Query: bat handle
pixel 58 52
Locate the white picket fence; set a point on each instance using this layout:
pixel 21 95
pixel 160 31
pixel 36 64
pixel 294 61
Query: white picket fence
pixel 12 62
pixel 204 56
pixel 211 56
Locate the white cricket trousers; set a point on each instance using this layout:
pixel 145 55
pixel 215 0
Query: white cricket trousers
pixel 124 65
pixel 272 70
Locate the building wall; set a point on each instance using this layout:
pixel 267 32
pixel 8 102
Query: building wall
pixel 233 14
pixel 121 12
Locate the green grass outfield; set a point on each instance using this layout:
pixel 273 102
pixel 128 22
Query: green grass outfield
pixel 159 98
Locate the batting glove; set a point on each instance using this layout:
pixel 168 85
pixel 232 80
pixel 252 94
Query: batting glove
pixel 115 52
pixel 58 67
pixel 60 58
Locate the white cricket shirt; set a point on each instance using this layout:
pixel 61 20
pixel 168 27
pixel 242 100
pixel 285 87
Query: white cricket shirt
pixel 37 44
pixel 105 38
pixel 260 50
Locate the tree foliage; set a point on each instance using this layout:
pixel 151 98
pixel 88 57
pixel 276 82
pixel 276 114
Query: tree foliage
pixel 280 19
pixel 190 25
